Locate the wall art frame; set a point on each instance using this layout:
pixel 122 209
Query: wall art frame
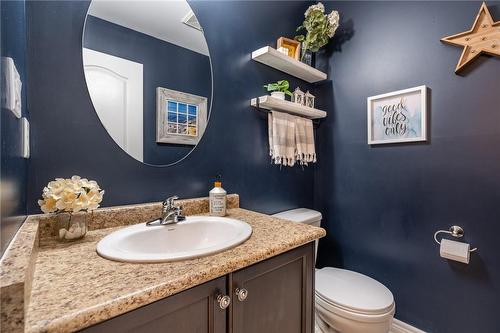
pixel 181 118
pixel 398 117
pixel 291 45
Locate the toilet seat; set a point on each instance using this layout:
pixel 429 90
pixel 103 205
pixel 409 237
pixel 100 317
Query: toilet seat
pixel 327 309
pixel 340 290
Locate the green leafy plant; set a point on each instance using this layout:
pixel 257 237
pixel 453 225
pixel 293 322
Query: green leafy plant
pixel 281 86
pixel 319 28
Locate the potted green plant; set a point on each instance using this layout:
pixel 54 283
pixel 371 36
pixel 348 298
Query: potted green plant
pixel 278 89
pixel 319 29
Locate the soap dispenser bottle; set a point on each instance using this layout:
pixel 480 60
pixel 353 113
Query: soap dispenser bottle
pixel 217 199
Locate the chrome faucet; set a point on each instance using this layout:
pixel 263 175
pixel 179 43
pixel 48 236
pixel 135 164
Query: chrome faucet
pixel 170 213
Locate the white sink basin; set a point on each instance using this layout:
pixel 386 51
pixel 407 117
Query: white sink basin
pixel 195 237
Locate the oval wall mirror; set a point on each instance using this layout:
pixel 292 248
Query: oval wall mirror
pixel 149 75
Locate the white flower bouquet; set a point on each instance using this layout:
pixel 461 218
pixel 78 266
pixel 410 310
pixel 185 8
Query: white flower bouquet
pixel 319 28
pixel 70 196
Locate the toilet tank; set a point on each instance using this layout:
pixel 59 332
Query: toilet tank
pixel 303 215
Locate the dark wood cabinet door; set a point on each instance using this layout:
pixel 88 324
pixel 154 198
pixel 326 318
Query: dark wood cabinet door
pixel 280 294
pixel 195 310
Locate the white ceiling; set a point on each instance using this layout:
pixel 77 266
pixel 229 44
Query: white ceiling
pixel 161 19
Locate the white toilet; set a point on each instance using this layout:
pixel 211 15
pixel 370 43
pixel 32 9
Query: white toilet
pixel 346 301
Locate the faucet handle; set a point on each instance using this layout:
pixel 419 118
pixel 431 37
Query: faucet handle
pixel 178 214
pixel 169 202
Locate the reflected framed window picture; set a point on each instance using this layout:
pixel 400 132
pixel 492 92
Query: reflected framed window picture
pixel 399 116
pixel 181 118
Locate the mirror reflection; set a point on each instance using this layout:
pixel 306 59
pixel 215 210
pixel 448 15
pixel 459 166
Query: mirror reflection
pixel 148 73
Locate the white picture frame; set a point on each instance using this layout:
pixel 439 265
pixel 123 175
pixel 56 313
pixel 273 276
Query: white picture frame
pixel 179 127
pixel 398 117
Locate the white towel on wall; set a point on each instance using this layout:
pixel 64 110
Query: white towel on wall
pixel 282 147
pixel 11 86
pixel 291 139
pixel 304 139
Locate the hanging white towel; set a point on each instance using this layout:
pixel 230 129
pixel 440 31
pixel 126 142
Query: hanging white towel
pixel 282 147
pixel 11 86
pixel 304 139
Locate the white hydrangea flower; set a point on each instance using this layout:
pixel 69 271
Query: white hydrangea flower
pixel 95 198
pixel 55 187
pixel 71 195
pixel 333 22
pixel 81 203
pixel 48 205
pixel 319 6
pixel 67 198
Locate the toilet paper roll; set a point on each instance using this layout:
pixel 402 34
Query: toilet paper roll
pixel 453 250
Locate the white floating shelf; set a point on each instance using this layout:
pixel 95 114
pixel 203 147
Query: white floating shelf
pixel 275 59
pixel 270 103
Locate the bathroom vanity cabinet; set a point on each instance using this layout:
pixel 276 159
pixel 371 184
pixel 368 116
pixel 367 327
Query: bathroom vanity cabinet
pixel 275 295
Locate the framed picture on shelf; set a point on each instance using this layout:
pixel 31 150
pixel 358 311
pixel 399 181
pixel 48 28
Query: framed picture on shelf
pixel 292 45
pixel 181 118
pixel 399 116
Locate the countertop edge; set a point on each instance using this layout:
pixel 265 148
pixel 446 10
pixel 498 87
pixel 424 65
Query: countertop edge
pixel 17 268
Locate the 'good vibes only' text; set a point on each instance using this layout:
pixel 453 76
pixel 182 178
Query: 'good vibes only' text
pixel 395 118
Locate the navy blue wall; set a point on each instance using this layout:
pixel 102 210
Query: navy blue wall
pixel 382 204
pixel 14 167
pixel 68 138
pixel 164 64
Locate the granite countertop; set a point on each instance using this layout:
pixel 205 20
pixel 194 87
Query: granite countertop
pixel 73 287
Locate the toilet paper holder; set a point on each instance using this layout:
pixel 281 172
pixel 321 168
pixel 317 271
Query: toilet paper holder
pixel 455 230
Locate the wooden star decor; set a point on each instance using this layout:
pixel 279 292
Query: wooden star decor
pixel 483 37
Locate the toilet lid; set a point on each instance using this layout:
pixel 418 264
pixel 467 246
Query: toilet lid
pixel 353 290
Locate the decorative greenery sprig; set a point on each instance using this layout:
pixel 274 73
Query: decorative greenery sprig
pixel 320 28
pixel 281 86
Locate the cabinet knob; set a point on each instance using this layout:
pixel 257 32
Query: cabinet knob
pixel 241 293
pixel 223 301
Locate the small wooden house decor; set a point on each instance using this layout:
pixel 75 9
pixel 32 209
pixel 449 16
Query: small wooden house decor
pixel 309 99
pixel 298 96
pixel 483 37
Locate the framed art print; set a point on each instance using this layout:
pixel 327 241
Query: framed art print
pixel 181 117
pixel 291 45
pixel 399 116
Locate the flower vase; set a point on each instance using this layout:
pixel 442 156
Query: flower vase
pixel 71 227
pixel 307 57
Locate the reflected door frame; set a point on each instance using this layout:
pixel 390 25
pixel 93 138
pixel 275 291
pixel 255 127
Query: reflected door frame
pixel 124 119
